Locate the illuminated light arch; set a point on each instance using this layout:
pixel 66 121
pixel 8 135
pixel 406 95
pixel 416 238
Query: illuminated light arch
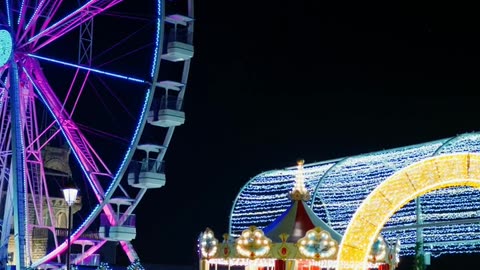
pixel 413 181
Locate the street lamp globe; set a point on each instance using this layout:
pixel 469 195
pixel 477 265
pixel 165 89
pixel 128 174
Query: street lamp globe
pixel 70 192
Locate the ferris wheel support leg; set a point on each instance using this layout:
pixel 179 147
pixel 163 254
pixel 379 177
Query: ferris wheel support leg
pixel 6 226
pixel 18 168
pixel 129 250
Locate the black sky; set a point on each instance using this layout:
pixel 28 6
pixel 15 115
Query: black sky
pixel 273 81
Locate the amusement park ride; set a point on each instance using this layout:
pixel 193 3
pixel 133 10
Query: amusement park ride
pixel 297 239
pixel 365 211
pixel 83 86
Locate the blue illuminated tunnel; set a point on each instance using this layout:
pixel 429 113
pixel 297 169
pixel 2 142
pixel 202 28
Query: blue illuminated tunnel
pixel 451 216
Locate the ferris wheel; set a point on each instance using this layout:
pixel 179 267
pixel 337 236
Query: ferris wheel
pixel 90 94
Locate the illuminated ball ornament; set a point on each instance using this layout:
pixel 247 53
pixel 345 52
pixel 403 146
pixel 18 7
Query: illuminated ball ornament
pixel 253 243
pixel 379 250
pixel 6 46
pixel 208 244
pixel 317 244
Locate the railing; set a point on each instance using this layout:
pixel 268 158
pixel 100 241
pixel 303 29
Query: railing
pixel 150 165
pixel 129 222
pixel 62 232
pixel 166 102
pixel 181 35
pixel 92 260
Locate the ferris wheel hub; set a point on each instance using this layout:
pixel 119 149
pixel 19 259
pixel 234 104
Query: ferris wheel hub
pixel 6 46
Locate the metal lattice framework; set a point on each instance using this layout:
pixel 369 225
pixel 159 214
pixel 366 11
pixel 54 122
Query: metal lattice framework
pixel 447 219
pixel 95 92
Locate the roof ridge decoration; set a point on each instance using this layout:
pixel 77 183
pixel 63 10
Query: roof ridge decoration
pixel 299 191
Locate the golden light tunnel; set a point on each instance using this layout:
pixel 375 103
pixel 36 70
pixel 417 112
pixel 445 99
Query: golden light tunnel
pixel 391 195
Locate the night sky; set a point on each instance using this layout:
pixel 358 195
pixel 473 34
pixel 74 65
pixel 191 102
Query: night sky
pixel 274 81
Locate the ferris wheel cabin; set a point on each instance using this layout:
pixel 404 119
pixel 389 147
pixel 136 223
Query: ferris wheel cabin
pixel 148 173
pixel 125 232
pixel 166 112
pixel 178 47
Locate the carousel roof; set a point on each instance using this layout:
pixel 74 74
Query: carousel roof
pixel 298 218
pixel 298 233
pixel 296 221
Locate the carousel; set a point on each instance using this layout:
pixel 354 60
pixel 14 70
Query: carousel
pixel 296 240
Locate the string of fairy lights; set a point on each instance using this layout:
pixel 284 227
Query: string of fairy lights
pixel 266 197
pixel 338 188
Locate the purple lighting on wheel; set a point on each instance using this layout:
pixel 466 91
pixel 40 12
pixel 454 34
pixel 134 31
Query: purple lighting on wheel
pixel 71 21
pixel 56 40
pixel 35 14
pixel 80 148
pixel 89 69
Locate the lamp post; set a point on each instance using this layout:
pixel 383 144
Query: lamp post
pixel 70 194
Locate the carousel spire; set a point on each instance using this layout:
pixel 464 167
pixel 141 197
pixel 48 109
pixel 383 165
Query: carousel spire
pixel 299 191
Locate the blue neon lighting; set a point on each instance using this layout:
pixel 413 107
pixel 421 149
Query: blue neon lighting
pixel 34 14
pixel 157 38
pixel 57 23
pixel 9 11
pixel 22 6
pixel 89 69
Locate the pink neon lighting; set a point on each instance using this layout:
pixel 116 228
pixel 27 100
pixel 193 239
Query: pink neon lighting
pixel 89 252
pixel 41 10
pixel 35 30
pixel 81 148
pixel 127 247
pixel 69 22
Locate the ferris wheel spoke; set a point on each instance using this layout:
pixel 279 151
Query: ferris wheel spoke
pixel 70 89
pixel 69 22
pixel 79 145
pixel 21 14
pixel 45 9
pixel 3 71
pixel 8 5
pixel 81 149
pixel 4 133
pixel 132 207
pixel 119 43
pixel 99 71
pixel 90 251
